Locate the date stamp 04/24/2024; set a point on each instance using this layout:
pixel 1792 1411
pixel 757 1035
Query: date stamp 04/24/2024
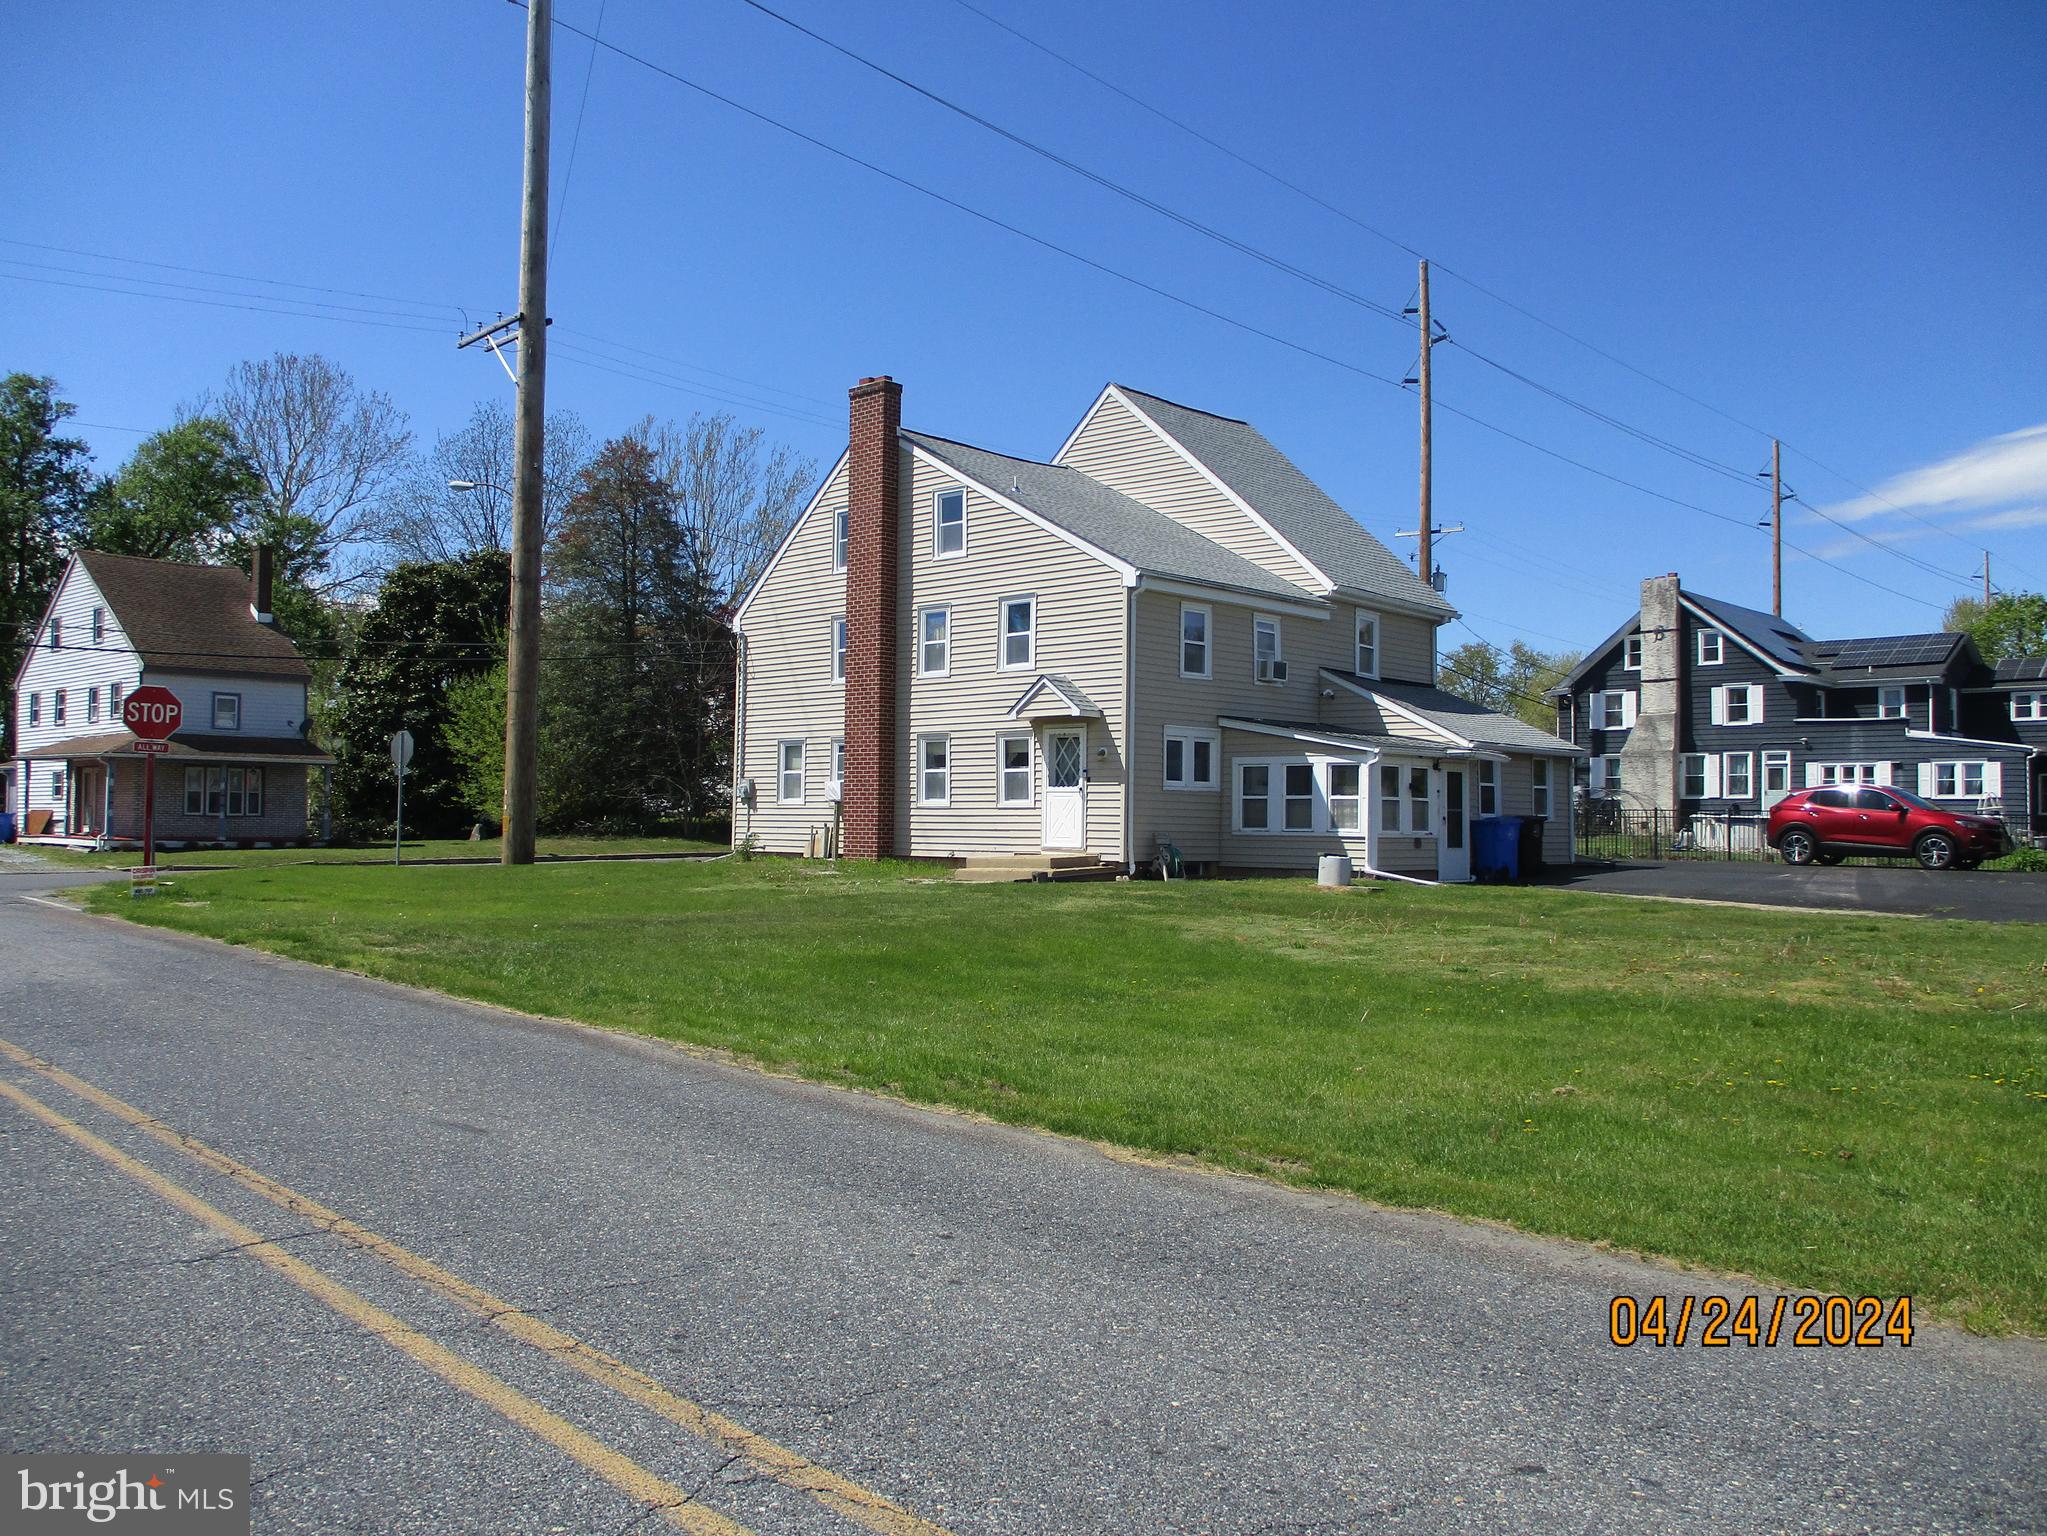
pixel 1720 1322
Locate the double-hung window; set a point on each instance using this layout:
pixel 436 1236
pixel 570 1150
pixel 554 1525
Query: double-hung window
pixel 1403 799
pixel 99 625
pixel 1841 773
pixel 1631 654
pixel 1389 799
pixel 949 523
pixel 1737 776
pixel 223 791
pixel 92 704
pixel 839 762
pixel 1254 796
pixel 934 642
pixel 934 770
pixel 1539 787
pixel 841 528
pixel 57 707
pixel 1298 791
pixel 1013 756
pixel 1418 800
pixel 227 711
pixel 1616 710
pixel 1712 647
pixel 1194 623
pixel 1488 788
pixel 35 709
pixel 789 773
pixel 1890 703
pixel 1958 781
pixel 1693 785
pixel 113 701
pixel 1346 804
pixel 56 632
pixel 1266 663
pixel 1019 633
pixel 839 648
pixel 1368 644
pixel 2029 706
pixel 1190 757
pixel 1737 704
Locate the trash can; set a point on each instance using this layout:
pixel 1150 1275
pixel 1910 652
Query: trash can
pixel 1496 847
pixel 1531 846
pixel 6 826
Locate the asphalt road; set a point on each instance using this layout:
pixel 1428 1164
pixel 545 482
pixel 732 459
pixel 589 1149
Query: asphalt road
pixel 928 1324
pixel 1980 895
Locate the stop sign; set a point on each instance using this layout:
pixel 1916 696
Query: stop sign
pixel 152 712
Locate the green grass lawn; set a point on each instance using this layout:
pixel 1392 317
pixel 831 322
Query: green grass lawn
pixel 1845 1103
pixel 415 848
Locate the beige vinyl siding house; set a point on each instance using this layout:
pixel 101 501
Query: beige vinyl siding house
pixel 1165 636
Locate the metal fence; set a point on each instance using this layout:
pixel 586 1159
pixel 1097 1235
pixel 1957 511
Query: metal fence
pixel 1607 829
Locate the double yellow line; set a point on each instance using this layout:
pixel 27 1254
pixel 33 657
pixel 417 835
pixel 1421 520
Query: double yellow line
pixel 841 1495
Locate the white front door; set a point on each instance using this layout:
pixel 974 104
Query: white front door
pixel 1453 828
pixel 1776 771
pixel 1066 787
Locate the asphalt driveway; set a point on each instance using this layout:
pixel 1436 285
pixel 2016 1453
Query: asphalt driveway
pixel 1979 895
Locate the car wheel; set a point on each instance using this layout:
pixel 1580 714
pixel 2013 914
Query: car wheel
pixel 1798 846
pixel 1934 850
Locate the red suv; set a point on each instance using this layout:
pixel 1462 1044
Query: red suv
pixel 1839 821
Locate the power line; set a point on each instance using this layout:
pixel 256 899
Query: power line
pixel 576 138
pixel 176 298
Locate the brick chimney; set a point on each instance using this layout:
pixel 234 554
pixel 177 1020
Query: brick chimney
pixel 260 582
pixel 873 623
pixel 1649 761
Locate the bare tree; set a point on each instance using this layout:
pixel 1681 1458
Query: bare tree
pixel 735 495
pixel 325 450
pixel 425 518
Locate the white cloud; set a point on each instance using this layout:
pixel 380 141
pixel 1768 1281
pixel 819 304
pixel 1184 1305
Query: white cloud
pixel 2011 517
pixel 2012 467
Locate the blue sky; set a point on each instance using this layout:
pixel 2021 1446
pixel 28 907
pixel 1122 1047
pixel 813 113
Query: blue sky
pixel 1823 220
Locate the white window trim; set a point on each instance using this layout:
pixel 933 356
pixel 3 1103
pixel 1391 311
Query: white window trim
pixel 1748 761
pixel 1002 661
pixel 1030 741
pixel 2036 706
pixel 842 537
pixel 1278 642
pixel 936 497
pixel 1685 765
pixel 1405 768
pixel 837 627
pixel 1187 735
pixel 922 614
pixel 782 746
pixel 1631 653
pixel 1765 762
pixel 217 697
pixel 1539 788
pixel 1358 645
pixel 1486 781
pixel 1753 700
pixel 1719 640
pixel 1990 779
pixel 835 768
pixel 1207 640
pixel 1276 797
pixel 923 742
pixel 1883 709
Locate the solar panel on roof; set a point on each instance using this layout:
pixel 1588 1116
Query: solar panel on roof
pixel 1890 650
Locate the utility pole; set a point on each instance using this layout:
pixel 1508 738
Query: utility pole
pixel 1426 557
pixel 1776 528
pixel 522 662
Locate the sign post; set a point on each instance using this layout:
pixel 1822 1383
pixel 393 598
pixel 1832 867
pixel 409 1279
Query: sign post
pixel 401 759
pixel 152 713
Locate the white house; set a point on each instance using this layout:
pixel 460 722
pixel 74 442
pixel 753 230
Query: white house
pixel 235 771
pixel 1166 634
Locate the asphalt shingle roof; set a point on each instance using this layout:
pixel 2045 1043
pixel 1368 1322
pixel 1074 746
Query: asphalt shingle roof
pixel 1107 519
pixel 1474 722
pixel 1778 638
pixel 191 618
pixel 1240 456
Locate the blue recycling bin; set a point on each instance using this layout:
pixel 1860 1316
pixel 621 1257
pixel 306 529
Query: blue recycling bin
pixel 1496 848
pixel 6 826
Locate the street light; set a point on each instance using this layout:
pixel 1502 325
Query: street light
pixel 461 485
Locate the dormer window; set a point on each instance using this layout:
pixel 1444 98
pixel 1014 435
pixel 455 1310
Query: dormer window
pixel 949 523
pixel 1711 647
pixel 1631 653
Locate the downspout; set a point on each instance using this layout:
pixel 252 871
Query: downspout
pixel 1129 731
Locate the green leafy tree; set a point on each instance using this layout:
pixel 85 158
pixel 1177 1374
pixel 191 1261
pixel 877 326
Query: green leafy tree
pixel 475 735
pixel 1512 682
pixel 431 626
pixel 2011 624
pixel 187 493
pixel 46 486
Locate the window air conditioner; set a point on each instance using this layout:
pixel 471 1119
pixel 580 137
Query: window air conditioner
pixel 1271 671
pixel 834 790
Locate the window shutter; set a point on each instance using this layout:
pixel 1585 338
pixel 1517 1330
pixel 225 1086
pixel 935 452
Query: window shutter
pixel 1885 772
pixel 1719 705
pixel 1993 779
pixel 1926 780
pixel 1628 710
pixel 1596 776
pixel 1595 704
pixel 1812 775
pixel 1755 701
pixel 1712 776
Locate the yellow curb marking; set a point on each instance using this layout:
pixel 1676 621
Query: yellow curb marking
pixel 838 1494
pixel 624 1474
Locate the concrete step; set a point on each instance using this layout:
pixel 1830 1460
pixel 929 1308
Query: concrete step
pixel 991 868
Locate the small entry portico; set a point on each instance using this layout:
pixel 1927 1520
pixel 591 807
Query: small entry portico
pixel 1061 713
